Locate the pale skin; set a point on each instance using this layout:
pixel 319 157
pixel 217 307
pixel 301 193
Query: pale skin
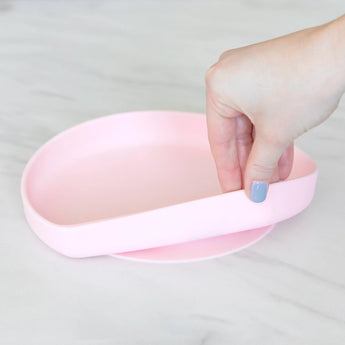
pixel 260 98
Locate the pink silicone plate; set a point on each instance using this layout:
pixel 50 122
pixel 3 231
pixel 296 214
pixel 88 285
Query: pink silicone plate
pixel 143 186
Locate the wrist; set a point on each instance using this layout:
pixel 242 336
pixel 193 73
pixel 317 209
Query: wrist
pixel 333 35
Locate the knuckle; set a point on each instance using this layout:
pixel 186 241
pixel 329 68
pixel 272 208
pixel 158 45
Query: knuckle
pixel 244 139
pixel 224 55
pixel 213 75
pixel 263 169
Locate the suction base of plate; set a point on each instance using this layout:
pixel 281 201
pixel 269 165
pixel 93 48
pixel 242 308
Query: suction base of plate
pixel 205 249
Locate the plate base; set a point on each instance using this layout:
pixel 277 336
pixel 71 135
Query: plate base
pixel 205 249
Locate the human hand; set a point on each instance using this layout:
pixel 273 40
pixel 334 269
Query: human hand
pixel 261 97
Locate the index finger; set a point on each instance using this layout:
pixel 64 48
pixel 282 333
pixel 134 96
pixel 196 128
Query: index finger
pixel 222 139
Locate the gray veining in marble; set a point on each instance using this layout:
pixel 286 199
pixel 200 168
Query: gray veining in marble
pixel 64 62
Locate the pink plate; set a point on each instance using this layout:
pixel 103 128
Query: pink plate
pixel 143 186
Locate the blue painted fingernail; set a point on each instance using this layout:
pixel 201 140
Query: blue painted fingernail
pixel 258 191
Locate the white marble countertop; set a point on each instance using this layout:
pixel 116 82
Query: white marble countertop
pixel 64 62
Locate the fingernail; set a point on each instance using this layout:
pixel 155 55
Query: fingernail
pixel 258 191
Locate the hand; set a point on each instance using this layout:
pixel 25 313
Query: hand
pixel 261 97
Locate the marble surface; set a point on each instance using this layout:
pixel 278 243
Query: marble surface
pixel 64 62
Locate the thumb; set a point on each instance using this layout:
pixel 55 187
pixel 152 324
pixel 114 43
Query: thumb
pixel 261 164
